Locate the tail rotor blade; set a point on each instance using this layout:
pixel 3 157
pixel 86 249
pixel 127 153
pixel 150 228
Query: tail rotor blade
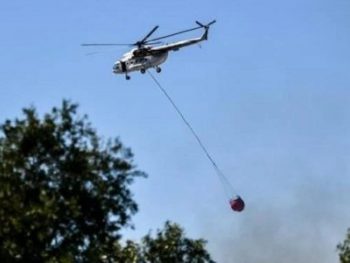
pixel 200 24
pixel 207 25
pixel 212 22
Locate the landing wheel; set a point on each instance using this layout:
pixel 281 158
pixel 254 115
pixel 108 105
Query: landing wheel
pixel 127 77
pixel 158 69
pixel 143 71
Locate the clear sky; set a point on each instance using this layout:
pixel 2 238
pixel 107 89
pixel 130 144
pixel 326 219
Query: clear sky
pixel 268 94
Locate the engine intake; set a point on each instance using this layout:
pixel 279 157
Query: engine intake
pixel 140 52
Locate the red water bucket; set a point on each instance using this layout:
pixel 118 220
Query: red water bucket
pixel 237 204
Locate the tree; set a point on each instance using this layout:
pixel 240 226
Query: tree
pixel 344 249
pixel 172 246
pixel 64 192
pixel 64 196
pixel 130 253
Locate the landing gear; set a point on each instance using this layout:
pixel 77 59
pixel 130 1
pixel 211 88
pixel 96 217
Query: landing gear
pixel 143 71
pixel 127 77
pixel 158 69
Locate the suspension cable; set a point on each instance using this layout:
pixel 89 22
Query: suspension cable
pixel 225 182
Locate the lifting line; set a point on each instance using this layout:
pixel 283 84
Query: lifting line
pixel 225 182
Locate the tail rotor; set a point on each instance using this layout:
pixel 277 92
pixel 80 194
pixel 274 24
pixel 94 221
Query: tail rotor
pixel 207 25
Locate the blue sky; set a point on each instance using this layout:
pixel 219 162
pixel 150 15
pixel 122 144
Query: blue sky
pixel 268 94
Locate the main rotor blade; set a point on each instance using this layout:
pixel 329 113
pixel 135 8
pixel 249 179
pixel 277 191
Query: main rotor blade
pixel 153 42
pixel 148 35
pixel 112 44
pixel 174 34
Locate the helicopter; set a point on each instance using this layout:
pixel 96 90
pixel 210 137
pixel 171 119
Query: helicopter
pixel 148 54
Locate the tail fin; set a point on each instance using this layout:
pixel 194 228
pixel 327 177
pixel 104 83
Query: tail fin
pixel 205 35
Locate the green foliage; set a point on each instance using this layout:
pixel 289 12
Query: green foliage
pixel 64 192
pixel 64 196
pixel 130 253
pixel 171 245
pixel 344 249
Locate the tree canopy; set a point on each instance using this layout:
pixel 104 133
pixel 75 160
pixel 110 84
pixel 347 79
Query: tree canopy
pixel 344 249
pixel 63 191
pixel 169 245
pixel 65 195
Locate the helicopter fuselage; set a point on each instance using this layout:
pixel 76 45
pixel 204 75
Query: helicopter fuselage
pixel 134 61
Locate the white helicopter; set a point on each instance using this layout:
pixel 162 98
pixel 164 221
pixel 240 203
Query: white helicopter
pixel 146 55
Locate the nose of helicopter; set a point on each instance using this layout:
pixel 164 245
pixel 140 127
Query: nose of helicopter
pixel 116 67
